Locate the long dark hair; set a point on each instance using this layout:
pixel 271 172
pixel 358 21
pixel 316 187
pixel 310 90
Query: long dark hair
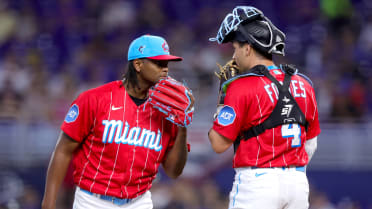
pixel 130 76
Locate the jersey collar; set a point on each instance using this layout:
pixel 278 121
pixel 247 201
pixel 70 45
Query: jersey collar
pixel 272 67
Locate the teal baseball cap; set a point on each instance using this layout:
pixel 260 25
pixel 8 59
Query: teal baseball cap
pixel 150 47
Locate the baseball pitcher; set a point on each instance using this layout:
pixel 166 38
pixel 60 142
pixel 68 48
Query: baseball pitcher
pixel 118 134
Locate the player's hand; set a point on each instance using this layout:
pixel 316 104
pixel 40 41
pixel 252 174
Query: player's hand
pixel 192 98
pixel 173 99
pixel 226 72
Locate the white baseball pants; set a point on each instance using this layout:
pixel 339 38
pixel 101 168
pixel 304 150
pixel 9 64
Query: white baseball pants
pixel 270 188
pixel 84 200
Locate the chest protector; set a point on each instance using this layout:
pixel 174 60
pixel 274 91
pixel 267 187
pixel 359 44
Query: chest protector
pixel 286 110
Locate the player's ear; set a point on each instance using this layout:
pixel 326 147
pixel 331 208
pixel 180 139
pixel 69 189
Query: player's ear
pixel 137 64
pixel 247 49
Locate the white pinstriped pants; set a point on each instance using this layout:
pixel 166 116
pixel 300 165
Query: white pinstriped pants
pixel 269 188
pixel 86 201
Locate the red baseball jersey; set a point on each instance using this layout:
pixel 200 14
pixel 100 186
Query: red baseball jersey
pixel 249 101
pixel 122 144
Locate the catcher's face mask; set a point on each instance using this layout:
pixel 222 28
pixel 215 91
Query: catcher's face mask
pixel 248 24
pixel 232 21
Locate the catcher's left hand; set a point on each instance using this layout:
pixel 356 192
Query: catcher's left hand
pixel 173 99
pixel 229 70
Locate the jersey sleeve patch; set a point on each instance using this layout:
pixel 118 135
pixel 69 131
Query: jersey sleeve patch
pixel 226 116
pixel 72 114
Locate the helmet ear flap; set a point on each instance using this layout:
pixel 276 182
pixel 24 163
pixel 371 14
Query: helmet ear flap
pixel 278 41
pixel 264 36
pixel 278 47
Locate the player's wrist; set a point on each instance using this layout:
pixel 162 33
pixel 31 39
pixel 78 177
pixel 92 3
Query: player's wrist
pixel 215 115
pixel 182 128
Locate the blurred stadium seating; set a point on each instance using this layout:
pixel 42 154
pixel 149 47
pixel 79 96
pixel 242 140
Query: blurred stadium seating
pixel 50 51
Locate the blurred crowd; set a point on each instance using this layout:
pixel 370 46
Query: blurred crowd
pixel 50 51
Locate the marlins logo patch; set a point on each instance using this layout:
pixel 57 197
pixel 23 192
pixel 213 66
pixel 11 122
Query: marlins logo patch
pixel 226 116
pixel 72 114
pixel 165 47
pixel 141 48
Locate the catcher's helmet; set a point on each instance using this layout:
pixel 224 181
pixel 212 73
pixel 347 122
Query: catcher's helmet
pixel 249 24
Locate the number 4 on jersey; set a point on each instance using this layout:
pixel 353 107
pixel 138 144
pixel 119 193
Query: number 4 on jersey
pixel 292 130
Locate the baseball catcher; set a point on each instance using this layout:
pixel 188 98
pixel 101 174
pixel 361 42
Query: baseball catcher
pixel 268 112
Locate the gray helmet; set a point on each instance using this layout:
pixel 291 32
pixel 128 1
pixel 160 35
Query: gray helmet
pixel 249 24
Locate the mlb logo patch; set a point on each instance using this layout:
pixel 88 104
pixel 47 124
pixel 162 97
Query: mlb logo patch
pixel 72 114
pixel 226 116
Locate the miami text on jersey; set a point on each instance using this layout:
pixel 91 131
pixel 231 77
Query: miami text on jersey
pixel 132 136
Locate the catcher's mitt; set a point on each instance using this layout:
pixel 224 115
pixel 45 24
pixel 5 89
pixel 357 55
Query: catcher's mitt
pixel 173 99
pixel 229 70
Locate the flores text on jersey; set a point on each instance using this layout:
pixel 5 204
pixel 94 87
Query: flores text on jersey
pixel 132 136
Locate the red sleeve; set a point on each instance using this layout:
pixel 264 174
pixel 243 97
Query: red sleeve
pixel 229 120
pixel 80 117
pixel 313 129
